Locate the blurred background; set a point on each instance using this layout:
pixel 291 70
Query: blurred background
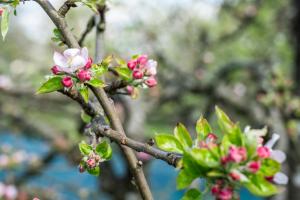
pixel 243 55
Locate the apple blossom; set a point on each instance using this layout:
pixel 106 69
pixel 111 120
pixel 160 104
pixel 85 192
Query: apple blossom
pixel 277 155
pixel 280 178
pixel 142 60
pixel 215 189
pixel 11 192
pixel 253 166
pixel 71 59
pixel 89 63
pixel 150 68
pixel 55 70
pixel 84 75
pixel 67 81
pixel 151 82
pixel 237 154
pixel 137 74
pixel 225 194
pixel 91 162
pixel 130 89
pixel 131 64
pixel 263 152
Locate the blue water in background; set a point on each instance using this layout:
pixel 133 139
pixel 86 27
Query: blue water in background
pixel 64 178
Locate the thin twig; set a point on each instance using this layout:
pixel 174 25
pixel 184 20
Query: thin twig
pixel 88 29
pixel 64 9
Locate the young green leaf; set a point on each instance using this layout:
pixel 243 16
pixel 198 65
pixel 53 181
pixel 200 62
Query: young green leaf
pixel 84 91
pixel 104 150
pixel 192 194
pixel 184 179
pixel 202 128
pixel 53 84
pixel 85 118
pixel 168 142
pixel 182 134
pixel 4 22
pixel 259 186
pixel 96 83
pixel 204 158
pixel 99 70
pixel 124 72
pixel 94 171
pixel 269 167
pixel 223 120
pixel 84 148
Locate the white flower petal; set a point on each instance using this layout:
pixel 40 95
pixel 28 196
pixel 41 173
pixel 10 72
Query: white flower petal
pixel 85 53
pixel 60 60
pixel 71 52
pixel 278 155
pixel 272 141
pixel 77 61
pixel 280 178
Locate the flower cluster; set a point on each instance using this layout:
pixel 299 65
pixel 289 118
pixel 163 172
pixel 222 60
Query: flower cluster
pixel 8 191
pixel 73 62
pixel 93 156
pixel 143 69
pixel 228 161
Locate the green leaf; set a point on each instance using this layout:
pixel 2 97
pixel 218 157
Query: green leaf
pixel 53 84
pixel 4 22
pixel 223 120
pixel 169 143
pixel 269 167
pixel 85 118
pixel 191 166
pixel 192 194
pixel 84 91
pixel 124 72
pixel 84 148
pixel 104 150
pixel 99 70
pixel 94 171
pixel 204 158
pixel 96 82
pixel 259 186
pixel 184 179
pixel 182 134
pixel 203 128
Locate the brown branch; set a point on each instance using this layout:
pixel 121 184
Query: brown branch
pixel 64 9
pixel 108 108
pixel 114 86
pixel 89 27
pixel 170 158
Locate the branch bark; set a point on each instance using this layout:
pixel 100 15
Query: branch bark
pixel 108 108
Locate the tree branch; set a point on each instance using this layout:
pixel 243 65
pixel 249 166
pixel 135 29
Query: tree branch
pixel 64 9
pixel 108 108
pixel 89 27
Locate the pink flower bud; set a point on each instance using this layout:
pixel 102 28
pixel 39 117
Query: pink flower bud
pixel 131 64
pixel 35 198
pixel 55 70
pixel 1 11
pixel 263 152
pixel 142 60
pixel 151 82
pixel 129 89
pixel 137 74
pixel 224 160
pixel 81 169
pixel 67 81
pixel 234 176
pixel 215 189
pixel 237 154
pixel 84 75
pixel 211 138
pixel 225 194
pixel 89 63
pixel 91 163
pixel 253 166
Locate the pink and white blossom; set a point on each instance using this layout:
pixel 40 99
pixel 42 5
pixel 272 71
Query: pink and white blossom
pixel 71 59
pixel 150 68
pixel 67 81
pixel 151 82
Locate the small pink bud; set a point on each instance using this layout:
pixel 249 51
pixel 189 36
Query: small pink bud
pixel 142 60
pixel 131 64
pixel 89 63
pixel 211 138
pixel 81 169
pixel 225 194
pixel 67 81
pixel 1 11
pixel 224 160
pixel 151 82
pixel 253 166
pixel 263 152
pixel 215 189
pixel 91 162
pixel 129 89
pixel 84 75
pixel 237 154
pixel 55 70
pixel 137 74
pixel 234 176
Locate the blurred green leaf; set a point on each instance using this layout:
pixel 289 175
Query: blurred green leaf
pixel 94 171
pixel 4 22
pixel 182 134
pixel 104 150
pixel 51 85
pixel 124 72
pixel 96 82
pixel 84 91
pixel 85 118
pixel 269 167
pixel 85 148
pixel 184 179
pixel 203 128
pixel 204 158
pixel 192 194
pixel 259 186
pixel 169 143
